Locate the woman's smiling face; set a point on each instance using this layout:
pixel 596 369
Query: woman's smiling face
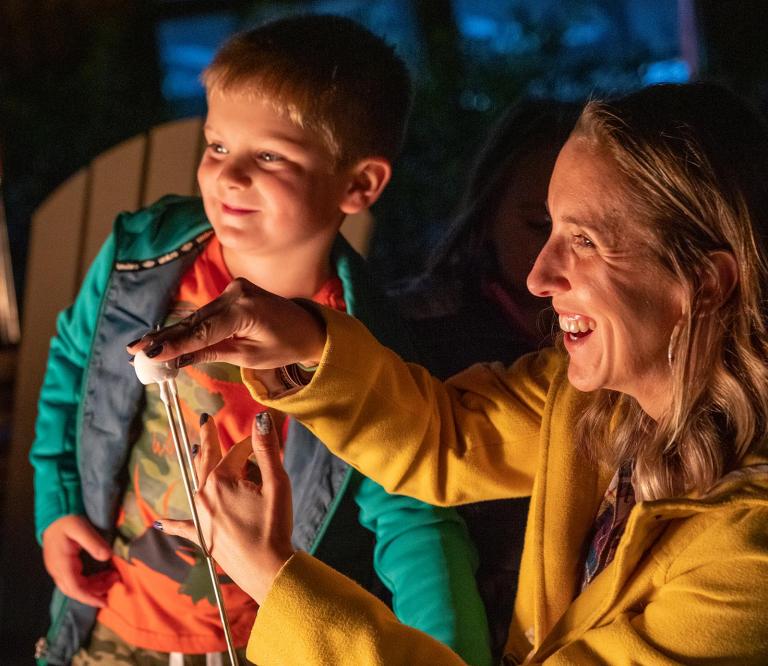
pixel 615 303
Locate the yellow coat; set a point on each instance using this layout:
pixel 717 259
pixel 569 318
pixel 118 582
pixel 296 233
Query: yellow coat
pixel 689 581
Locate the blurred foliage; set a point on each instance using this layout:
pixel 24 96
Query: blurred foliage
pixel 466 85
pixel 455 100
pixel 78 76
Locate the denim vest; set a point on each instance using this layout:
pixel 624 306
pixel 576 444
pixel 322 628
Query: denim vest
pixel 323 486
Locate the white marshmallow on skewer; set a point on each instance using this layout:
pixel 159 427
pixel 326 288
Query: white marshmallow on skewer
pixel 152 372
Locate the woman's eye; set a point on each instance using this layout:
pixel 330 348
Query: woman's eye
pixel 217 148
pixel 270 157
pixel 580 240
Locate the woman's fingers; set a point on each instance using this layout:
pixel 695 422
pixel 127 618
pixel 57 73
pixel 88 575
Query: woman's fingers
pixel 209 455
pixel 246 326
pixel 233 463
pixel 194 338
pixel 181 528
pixel 246 525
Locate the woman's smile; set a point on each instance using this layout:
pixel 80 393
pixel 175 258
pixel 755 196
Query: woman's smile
pixel 576 323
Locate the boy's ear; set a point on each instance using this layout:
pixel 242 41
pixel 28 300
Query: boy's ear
pixel 367 180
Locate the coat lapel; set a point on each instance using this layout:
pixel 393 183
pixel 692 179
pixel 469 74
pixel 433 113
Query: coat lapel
pixel 591 606
pixel 566 503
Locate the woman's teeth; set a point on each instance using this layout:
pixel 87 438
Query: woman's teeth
pixel 576 323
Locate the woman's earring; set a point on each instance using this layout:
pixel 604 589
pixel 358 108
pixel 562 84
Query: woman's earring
pixel 673 343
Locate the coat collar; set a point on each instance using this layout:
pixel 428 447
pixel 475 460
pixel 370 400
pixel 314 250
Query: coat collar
pixel 566 495
pixel 744 487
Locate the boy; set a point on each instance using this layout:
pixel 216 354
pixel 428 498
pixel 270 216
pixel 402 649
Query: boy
pixel 305 117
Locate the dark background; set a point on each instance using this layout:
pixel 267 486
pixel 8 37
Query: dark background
pixel 79 76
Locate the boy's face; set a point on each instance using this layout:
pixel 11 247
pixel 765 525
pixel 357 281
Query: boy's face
pixel 268 186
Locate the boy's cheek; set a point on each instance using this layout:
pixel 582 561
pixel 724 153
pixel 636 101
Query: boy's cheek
pixel 207 192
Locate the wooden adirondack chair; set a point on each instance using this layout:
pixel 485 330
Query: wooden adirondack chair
pixel 67 231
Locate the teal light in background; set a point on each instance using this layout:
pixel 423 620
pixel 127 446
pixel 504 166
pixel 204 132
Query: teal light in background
pixel 673 70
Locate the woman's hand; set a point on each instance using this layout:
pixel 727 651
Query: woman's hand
pixel 246 524
pixel 246 326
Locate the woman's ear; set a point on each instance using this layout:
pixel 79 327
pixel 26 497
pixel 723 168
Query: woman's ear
pixel 719 279
pixel 367 181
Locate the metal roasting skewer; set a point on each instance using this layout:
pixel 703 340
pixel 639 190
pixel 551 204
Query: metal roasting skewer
pixel 186 447
pixel 170 397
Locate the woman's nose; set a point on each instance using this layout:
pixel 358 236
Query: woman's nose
pixel 547 277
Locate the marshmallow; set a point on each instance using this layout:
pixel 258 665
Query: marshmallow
pixel 152 372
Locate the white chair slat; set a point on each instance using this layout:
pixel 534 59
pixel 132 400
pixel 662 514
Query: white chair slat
pixel 174 151
pixel 116 184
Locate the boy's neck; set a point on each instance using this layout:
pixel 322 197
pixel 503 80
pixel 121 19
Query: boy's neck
pixel 299 272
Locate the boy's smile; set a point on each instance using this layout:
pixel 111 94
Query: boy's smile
pixel 230 210
pixel 269 187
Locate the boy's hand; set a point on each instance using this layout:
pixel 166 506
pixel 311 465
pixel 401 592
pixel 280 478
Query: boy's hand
pixel 246 525
pixel 246 326
pixel 63 541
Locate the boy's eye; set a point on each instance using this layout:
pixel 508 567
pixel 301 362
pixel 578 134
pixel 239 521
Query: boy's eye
pixel 270 157
pixel 218 148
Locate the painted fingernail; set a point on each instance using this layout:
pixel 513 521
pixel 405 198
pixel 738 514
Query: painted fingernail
pixel 154 350
pixel 158 525
pixel 263 423
pixel 184 360
pixel 133 342
pixel 195 449
pixel 204 418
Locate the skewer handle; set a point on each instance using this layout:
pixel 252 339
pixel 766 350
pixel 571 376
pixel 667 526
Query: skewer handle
pixel 169 394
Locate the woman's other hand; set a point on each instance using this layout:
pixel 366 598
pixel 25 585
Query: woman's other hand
pixel 246 524
pixel 246 326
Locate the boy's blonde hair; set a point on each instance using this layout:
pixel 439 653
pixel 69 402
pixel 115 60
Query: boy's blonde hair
pixel 328 74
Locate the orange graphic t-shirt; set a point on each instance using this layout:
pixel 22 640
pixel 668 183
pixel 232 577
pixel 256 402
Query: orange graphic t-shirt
pixel 164 600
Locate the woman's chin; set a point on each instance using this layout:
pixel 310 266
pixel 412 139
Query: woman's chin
pixel 583 379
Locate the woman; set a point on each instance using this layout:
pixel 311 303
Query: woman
pixel 472 305
pixel 642 443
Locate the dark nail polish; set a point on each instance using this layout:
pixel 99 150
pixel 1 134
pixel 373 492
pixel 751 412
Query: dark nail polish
pixel 263 423
pixel 195 449
pixel 133 342
pixel 204 418
pixel 154 350
pixel 158 525
pixel 184 360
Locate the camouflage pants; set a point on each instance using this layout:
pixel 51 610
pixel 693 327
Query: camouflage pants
pixel 106 648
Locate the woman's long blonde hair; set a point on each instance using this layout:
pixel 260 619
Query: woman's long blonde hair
pixel 695 159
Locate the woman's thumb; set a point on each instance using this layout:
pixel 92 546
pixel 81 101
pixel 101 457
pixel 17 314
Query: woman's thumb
pixel 266 449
